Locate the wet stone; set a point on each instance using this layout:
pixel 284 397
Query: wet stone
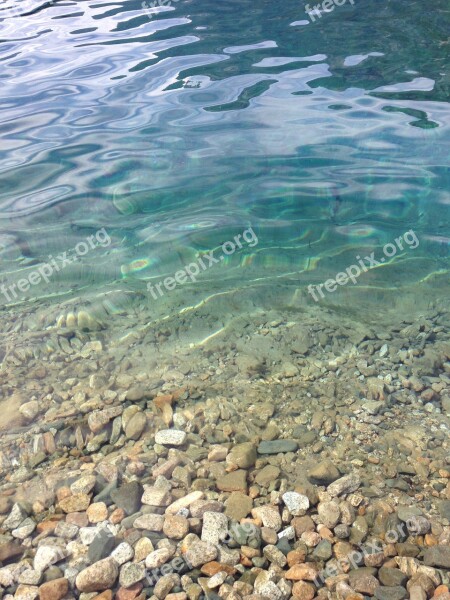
pixel 98 577
pixel 437 556
pixel 277 447
pixel 238 506
pixel 128 497
pixel 233 482
pixel 268 474
pixel 170 437
pixel 297 504
pixel 391 577
pixel 390 593
pixel 324 473
pixel 102 545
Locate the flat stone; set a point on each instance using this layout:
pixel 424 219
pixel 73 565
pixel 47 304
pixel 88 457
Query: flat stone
pixel 302 572
pixel 344 485
pixel 390 593
pixel 170 437
pixel 97 512
pixel 363 582
pixel 184 502
pixel 329 513
pixel 25 529
pixel 15 517
pixel 392 577
pixel 236 481
pixel 154 496
pixel 444 509
pixel 269 515
pixel 75 503
pixel 277 447
pixel 405 513
pixel 10 550
pixel 437 556
pixel 98 577
pixel 150 522
pixel 26 592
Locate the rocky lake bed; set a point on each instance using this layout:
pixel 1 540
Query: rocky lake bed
pixel 285 457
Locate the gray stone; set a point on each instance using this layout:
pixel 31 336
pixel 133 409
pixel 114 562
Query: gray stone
pixel 25 529
pixel 15 517
pixel 390 593
pixel 392 577
pixel 405 513
pixel 437 556
pixel 102 545
pixel 444 509
pixel 128 497
pixel 277 447
pixel 46 556
pixel 123 553
pixel 323 550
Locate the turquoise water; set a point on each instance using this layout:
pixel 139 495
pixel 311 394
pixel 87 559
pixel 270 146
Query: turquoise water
pixel 152 136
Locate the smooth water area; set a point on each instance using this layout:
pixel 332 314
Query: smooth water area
pixel 137 139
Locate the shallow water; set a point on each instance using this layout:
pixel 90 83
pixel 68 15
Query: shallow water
pixel 176 128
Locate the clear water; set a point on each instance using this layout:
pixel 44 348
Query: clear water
pixel 174 129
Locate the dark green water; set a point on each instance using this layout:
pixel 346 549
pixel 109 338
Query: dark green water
pixel 165 133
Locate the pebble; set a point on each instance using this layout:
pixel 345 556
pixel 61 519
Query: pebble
pixel 98 577
pixel 201 553
pixel 297 504
pixel 131 573
pixel 344 485
pixel 124 553
pixel 277 447
pixel 54 590
pixel 215 527
pixel 170 437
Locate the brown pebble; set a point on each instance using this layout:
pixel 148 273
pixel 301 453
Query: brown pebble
pixel 54 590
